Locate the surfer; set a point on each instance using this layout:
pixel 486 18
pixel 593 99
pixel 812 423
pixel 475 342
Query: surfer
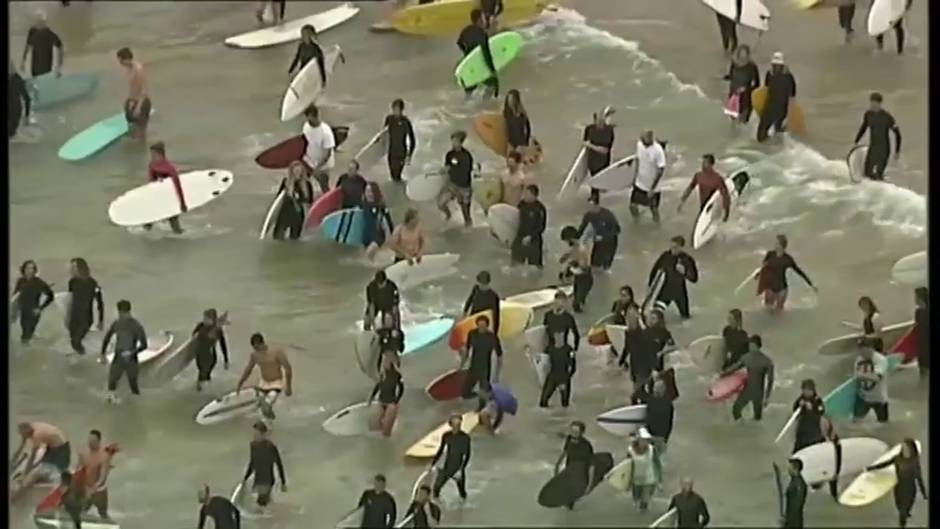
pixel 598 139
pixel 263 457
pixel 622 304
pixel 533 217
pixel 130 339
pixel 378 506
pixel 728 28
pixel 562 366
pixel 734 338
pixel 871 325
pixel 54 461
pixel 898 28
pixel 491 11
pixel 459 166
pixel 381 298
pixel 278 7
pixel 375 213
pixel 352 186
pixel 708 181
pixel 691 510
pixel 472 37
pixel 760 379
pixel 482 344
pixel 276 374
pixel 922 330
pixel 660 417
pixel 811 412
pixel 678 268
pixel 96 462
pixel 645 476
pixel 137 106
pixel 159 169
pixel 490 412
pixel 206 335
pixel 559 322
pixel 224 515
pixel 308 48
pixel 781 90
pixel 319 157
pixel 660 338
pixel 85 292
pixel 19 101
pixel 298 197
pixel 29 290
pixel 794 498
pixel 650 166
pixel 871 368
pixel 391 339
pixel 878 122
pixel 514 180
pixel 910 478
pixel 42 44
pixel 846 12
pixel 482 297
pixel 518 126
pixel 578 454
pixel 634 338
pixel 772 275
pixel 606 230
pixel 423 510
pixel 743 78
pixel 390 390
pixel 456 445
pixel 401 140
pixel 577 266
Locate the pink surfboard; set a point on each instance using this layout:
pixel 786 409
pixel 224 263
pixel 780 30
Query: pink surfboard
pixel 727 387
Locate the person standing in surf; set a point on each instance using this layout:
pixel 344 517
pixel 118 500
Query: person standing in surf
pixel 458 163
pixel 650 166
pixel 734 339
pixel 846 12
pixel 922 330
pixel 811 413
pixel 206 335
pixel 743 78
pixel 19 101
pixel 558 321
pixel 352 185
pixel 278 7
pixel 898 28
pixel 606 234
pixel 130 339
pixel 910 479
pixel 96 460
pixel 598 139
pixel 42 45
pixel 29 290
pixel 562 364
pixel 400 140
pixel 660 417
pixel 708 182
pixel 728 28
pixel 482 297
pixel 85 292
pixel 482 345
pixel 276 374
pixel 376 220
pixel 263 458
pixel 455 447
pixel 308 48
pixel 533 218
pixel 319 156
pixel 423 510
pixel 518 126
pixel 54 461
pixel 760 379
pixel 620 306
pixel 472 37
pixel 772 276
pixel 159 169
pixel 871 325
pixel 794 498
pixel 645 477
pixel 878 122
pixel 220 510
pixel 382 299
pixel 634 340
pixel 781 90
pixel 389 390
pixel 691 510
pixel 137 106
pixel 871 371
pixel 578 454
pixel 577 266
pixel 678 268
pixel 378 506
pixel 298 197
pixel 514 180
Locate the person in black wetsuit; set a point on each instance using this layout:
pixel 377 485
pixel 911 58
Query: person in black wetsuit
pixel 297 200
pixel 206 335
pixel 678 267
pixel 482 344
pixel 562 366
pixel 728 28
pixel 381 298
pixel 735 339
pixel 401 140
pixel 41 43
pixel 390 390
pixel 455 447
pixel 775 265
pixel 910 478
pixel 846 12
pixel 812 412
pixel 577 453
pixel 491 11
pixel 391 339
pixel 483 297
pixel 606 232
pixel 130 339
pixel 263 457
pixel 559 321
pixel 19 101
pixel 634 338
pixel 518 127
pixel 423 510
pixel 641 350
pixel 621 304
pixel 85 293
pixel 352 185
pixel 378 506
pixel 878 122
pixel 377 221
pixel 660 416
pixel 743 77
pixel 533 217
pixel 794 499
pixel 781 89
pixel 691 510
pixel 458 163
pixel 470 38
pixel 598 139
pixel 898 33
pixel 760 379
pixel 577 263
pixel 224 515
pixel 31 289
pixel 308 48
pixel 922 328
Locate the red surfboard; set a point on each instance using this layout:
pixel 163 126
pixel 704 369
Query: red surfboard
pixel 763 281
pixel 448 386
pixel 292 149
pixel 53 499
pixel 323 206
pixel 907 346
pixel 727 386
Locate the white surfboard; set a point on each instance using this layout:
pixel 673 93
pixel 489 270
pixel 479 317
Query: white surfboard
pixel 786 426
pixel 911 270
pixel 156 201
pixel 307 85
pixel 873 484
pixel 855 160
pixel 616 177
pixel 228 406
pixel 620 477
pixel 431 268
pixel 270 217
pixel 537 299
pixel 425 187
pixel 617 335
pixel 754 14
pixel 708 352
pixel 883 15
pixel 819 460
pixel 157 347
pixel 504 222
pixel 290 31
pixel 367 354
pixel 536 340
pixel 709 219
pixel 352 521
pixel 62 521
pixel 751 278
pixel 576 174
pixel 623 421
pixel 848 344
pixel 352 420
pixel 667 516
pixel 652 292
pixel 374 151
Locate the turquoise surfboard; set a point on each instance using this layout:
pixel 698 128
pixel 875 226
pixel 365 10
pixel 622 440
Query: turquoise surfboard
pixel 840 402
pixel 94 139
pixel 422 335
pixel 504 47
pixel 48 90
pixel 346 226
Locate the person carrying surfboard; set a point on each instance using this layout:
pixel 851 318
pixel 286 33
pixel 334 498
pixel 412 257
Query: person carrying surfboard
pixel 423 510
pixel 691 509
pixel 878 121
pixel 482 297
pixel 264 456
pixel 42 45
pixel 95 461
pixel 871 370
pixel 137 106
pixel 772 275
pixel 319 157
pixel 781 89
pixel 85 293
pixel 458 162
pixel 734 338
pixel 277 374
pixel 650 167
pixel 54 461
pixel 382 298
pixel 473 36
pixel 645 477
pixel 679 268
pixel 224 515
pixel 598 139
pixel 743 78
pixel 352 185
pixel 400 140
pixel 455 447
pixel 794 497
pixel 29 289
pixel 577 452
pixel 298 197
pixel 606 230
pixel 206 335
pixel 389 390
pixel 577 266
pixel 898 28
pixel 760 379
pixel 159 169
pixel 812 413
pixel 871 325
pixel 909 479
pixel 533 218
pixel 308 48
pixel 708 182
pixel 482 345
pixel 130 339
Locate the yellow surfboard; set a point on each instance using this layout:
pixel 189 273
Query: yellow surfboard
pixel 448 17
pixel 429 444
pixel 491 128
pixel 513 320
pixel 487 191
pixel 869 486
pixel 796 121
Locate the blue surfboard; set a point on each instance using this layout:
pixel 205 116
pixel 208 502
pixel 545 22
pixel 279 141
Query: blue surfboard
pixel 840 402
pixel 94 139
pixel 422 335
pixel 346 226
pixel 48 90
pixel 505 399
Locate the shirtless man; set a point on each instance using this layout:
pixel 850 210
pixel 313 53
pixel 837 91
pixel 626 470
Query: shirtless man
pixel 408 239
pixel 137 106
pixel 54 461
pixel 96 460
pixel 276 374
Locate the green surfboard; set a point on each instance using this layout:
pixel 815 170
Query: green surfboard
pixel 840 402
pixel 504 47
pixel 48 90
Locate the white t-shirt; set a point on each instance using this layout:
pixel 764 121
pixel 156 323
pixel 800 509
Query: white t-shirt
pixel 871 391
pixel 320 145
pixel 649 161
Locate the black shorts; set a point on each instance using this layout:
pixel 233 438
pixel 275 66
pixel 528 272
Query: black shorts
pixel 143 118
pixel 862 408
pixel 644 198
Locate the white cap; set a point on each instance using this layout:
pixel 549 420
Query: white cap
pixel 777 58
pixel 645 434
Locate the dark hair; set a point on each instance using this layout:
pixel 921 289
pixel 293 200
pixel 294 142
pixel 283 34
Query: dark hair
pixel 580 425
pixel 756 340
pixel 380 276
pixel 410 215
pixel 923 295
pixel 532 188
pixel 808 384
pixel 628 289
pixel 782 241
pixel 738 316
pixel 399 104
pixel 678 239
pixel 82 266
pixel 560 294
pixel 380 477
pixel 311 27
pixel 796 463
pixel 159 147
pixel 257 339
pixel 870 304
pixel 484 277
pixel 212 313
pixel 484 318
pixel 876 97
pixel 710 158
pixel 476 16
pixel 518 98
pixel 96 433
pixel 569 233
pixel 515 156
pixel 660 317
pixel 595 197
pixel 65 477
pixel 260 427
pixel 125 54
pixel 27 263
pixel 124 306
pixel 312 111
pixel 458 135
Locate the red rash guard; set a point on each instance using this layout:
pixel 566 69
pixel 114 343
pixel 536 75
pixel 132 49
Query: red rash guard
pixel 708 182
pixel 161 169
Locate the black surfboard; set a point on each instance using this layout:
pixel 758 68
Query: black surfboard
pixel 569 485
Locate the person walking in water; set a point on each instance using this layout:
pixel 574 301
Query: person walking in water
pixel 455 448
pixel 760 379
pixel 42 46
pixel 691 510
pixel 743 78
pixel 137 106
pixel 794 499
pixel 533 217
pixel 264 457
pixel 898 28
pixel 130 340
pixel 277 374
pixel 308 48
pixel 206 335
pixel 910 478
pixel 28 291
pixel 220 510
pixel 774 272
pixel 878 121
pixel 85 293
pixel 159 169
pixel 400 138
pixel 781 89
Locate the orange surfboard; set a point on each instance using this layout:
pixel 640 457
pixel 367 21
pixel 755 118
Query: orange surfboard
pixel 491 128
pixel 458 335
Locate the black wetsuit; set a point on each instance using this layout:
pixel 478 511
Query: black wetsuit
pixel 910 478
pixel 481 299
pixel 470 38
pixel 691 511
pixel 868 326
pixel 19 102
pixel 205 337
pixel 457 446
pixel 579 455
pixel 30 293
pixel 846 14
pixel 293 210
pixel 389 388
pixel 744 78
pixel 794 501
pixel 85 293
pixel 382 299
pixel 401 144
pixel 379 510
pixel 922 328
pixel 264 457
pixel 532 220
pixel 480 346
pixel 760 380
pixel 775 267
pixel 808 425
pixel 661 339
pixel 224 515
pixel 878 122
pixel 305 52
pixel 562 366
pixel 606 232
pixel 561 322
pixel 491 8
pixel 518 129
pixel 781 86
pixel 600 136
pixel 674 288
pixel 391 340
pixel 459 163
pixel 130 339
pixel 422 513
pixel 728 29
pixel 898 32
pixel 643 352
pixel 634 340
pixel 660 414
pixel 353 187
pixel 736 345
pixel 43 41
pixel 619 310
pixel 377 223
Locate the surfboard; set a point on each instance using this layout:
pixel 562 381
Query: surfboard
pixel 623 421
pixel 156 201
pixel 597 333
pixel 709 219
pixel 63 521
pixel 422 335
pixel 652 292
pixel 504 48
pixel 352 521
pixel 346 226
pixel 855 160
pixel 750 277
pixel 906 346
pixel 366 347
pixel 708 352
pixel 504 222
pixel 537 299
pixel 170 364
pixel 513 320
pixel 505 399
pixel 569 485
pixel 909 270
pixel 819 460
pixel 487 191
pixel 373 152
pixel 786 426
pixel 157 346
pixel 352 420
pixel 431 268
pixel 17 471
pixel 292 149
pixel 491 129
pixel 840 402
pixel 617 176
pixel 796 120
pixel 778 479
pixel 290 31
pixel 727 386
pixel 754 14
pixel 576 174
pixel 324 205
pixel 442 19
pixel 307 85
pixel 48 90
pixel 620 477
pixel 848 344
pixel 447 386
pixel 884 14
pixel 536 341
pixel 228 406
pixel 616 334
pixel 425 187
pixel 871 485
pixel 94 139
pixel 270 218
pixel 666 517
pixel 427 446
